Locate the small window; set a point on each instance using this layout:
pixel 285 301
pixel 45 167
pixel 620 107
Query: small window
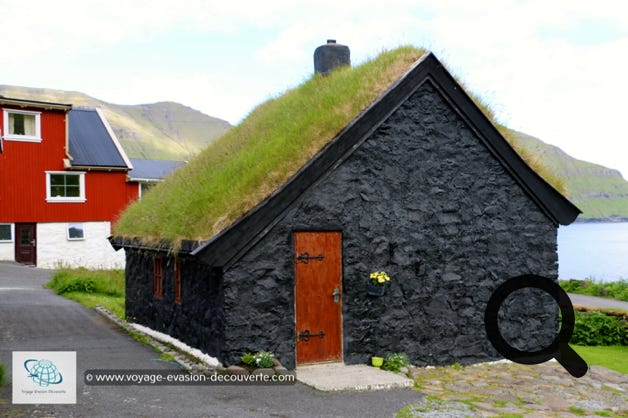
pixel 65 187
pixel 177 281
pixel 76 232
pixel 22 126
pixel 6 232
pixel 145 187
pixel 158 276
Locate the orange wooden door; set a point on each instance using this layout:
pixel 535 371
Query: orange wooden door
pixel 318 291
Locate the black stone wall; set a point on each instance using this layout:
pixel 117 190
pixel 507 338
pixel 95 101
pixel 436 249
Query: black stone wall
pixel 198 320
pixel 424 200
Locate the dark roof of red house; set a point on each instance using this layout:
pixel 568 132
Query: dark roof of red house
pixel 92 143
pixel 152 170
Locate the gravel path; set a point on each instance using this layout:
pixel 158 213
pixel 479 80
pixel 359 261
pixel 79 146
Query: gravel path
pixel 509 389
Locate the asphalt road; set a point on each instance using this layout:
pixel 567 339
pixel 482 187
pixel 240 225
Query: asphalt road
pixel 595 302
pixel 33 318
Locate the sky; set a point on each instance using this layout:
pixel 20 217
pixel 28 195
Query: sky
pixel 554 69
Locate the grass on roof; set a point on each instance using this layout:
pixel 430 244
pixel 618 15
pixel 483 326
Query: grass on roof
pixel 256 157
pixel 253 159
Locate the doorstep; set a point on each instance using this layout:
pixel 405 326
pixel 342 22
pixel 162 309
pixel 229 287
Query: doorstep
pixel 341 377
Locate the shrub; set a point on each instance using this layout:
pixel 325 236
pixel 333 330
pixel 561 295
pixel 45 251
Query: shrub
pixel 597 328
pixel 248 359
pixel 264 359
pixel 261 359
pixel 395 361
pixel 80 284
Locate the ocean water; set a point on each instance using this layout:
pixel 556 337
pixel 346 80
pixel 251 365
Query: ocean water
pixel 595 250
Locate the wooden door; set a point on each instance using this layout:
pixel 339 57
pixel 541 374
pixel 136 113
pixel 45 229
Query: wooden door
pixel 26 243
pixel 318 296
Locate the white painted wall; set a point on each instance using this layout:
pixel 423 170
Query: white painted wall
pixel 55 250
pixel 7 251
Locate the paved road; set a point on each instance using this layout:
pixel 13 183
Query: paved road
pixel 33 318
pixel 595 302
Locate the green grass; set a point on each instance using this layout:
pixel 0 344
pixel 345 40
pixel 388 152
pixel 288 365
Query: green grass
pixel 613 357
pixel 500 403
pixel 91 287
pixel 1 374
pixel 576 411
pixel 167 357
pixel 550 174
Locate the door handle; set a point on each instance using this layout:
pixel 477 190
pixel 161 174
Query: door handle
pixel 336 295
pixel 33 243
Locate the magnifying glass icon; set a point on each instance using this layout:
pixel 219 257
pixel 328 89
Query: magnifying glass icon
pixel 558 349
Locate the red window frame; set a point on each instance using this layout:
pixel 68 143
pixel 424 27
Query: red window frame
pixel 178 296
pixel 158 276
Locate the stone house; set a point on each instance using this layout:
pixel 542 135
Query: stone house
pixel 420 185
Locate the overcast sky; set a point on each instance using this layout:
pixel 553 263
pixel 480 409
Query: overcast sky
pixel 554 69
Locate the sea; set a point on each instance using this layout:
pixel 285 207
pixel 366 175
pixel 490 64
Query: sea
pixel 593 250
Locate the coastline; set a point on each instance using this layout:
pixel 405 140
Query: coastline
pixel 609 220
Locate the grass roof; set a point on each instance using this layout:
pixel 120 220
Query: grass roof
pixel 255 158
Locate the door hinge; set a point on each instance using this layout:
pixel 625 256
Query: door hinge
pixel 306 257
pixel 306 335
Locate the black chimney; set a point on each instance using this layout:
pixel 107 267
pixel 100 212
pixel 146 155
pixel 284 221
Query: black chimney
pixel 330 56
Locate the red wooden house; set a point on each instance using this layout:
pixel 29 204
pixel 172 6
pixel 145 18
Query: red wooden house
pixel 63 181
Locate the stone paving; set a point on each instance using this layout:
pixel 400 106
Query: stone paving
pixel 506 389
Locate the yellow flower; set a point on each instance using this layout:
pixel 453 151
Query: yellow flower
pixel 379 277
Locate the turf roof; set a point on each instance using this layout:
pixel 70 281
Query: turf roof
pixel 255 158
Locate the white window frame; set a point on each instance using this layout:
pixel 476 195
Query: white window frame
pixel 23 138
pixel 82 228
pixel 12 232
pixel 56 199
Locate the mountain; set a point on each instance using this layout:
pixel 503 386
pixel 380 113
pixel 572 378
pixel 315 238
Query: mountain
pixel 164 130
pixel 600 192
pixel 171 131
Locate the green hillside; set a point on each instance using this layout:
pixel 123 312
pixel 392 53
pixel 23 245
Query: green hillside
pixel 169 130
pixel 164 130
pixel 600 192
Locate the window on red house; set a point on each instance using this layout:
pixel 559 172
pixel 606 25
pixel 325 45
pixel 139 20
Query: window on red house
pixel 22 125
